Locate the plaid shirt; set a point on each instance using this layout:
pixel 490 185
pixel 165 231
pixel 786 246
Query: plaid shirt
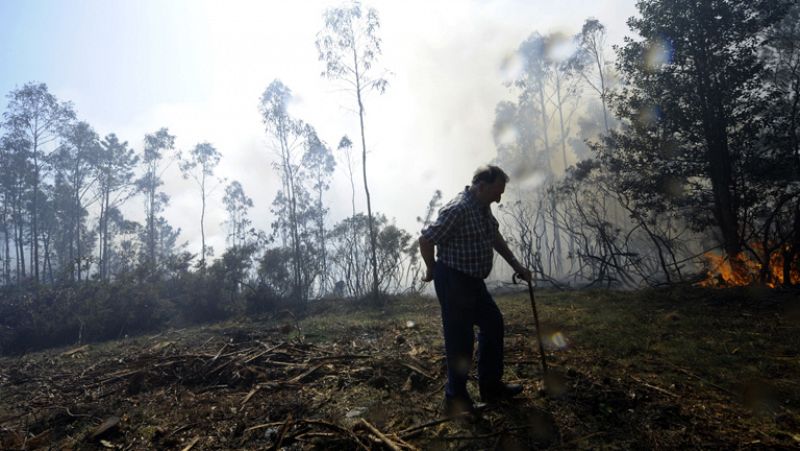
pixel 464 234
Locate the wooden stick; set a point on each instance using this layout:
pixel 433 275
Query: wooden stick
pixel 418 370
pixel 301 376
pixel 220 351
pixel 75 351
pixel 262 426
pixel 340 357
pixel 259 354
pixel 282 433
pixel 404 443
pixel 409 432
pixel 653 387
pixel 339 429
pixel 191 444
pixel 250 395
pixel 380 435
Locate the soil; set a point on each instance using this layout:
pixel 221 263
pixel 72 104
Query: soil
pixel 646 370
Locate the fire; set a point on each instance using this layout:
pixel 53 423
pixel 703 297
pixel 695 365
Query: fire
pixel 743 270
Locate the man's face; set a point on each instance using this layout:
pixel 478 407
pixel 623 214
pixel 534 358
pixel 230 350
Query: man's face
pixel 494 191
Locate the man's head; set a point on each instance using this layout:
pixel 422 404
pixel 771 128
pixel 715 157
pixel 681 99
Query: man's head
pixel 488 184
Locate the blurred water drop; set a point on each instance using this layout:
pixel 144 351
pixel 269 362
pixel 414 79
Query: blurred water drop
pixel 461 365
pixel 508 135
pixel 649 115
pixel 558 340
pixel 530 180
pixel 512 68
pixel 658 54
pixel 560 47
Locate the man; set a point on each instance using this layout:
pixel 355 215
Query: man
pixel 466 235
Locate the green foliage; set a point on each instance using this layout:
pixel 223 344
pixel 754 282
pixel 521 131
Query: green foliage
pixel 691 108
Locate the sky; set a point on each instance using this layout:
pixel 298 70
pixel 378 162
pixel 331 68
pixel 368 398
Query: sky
pixel 199 67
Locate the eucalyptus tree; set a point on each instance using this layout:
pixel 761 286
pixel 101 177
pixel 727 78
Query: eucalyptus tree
pixel 76 162
pixel 14 178
pixel 156 145
pixel 345 148
pixel 289 136
pixel 319 162
pixel 237 205
pixel 203 158
pixel 349 46
pixel 533 83
pixel 590 61
pixel 115 185
pixel 37 116
pixel 538 82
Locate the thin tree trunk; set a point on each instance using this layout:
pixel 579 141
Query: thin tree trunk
pixel 19 238
pixel 556 228
pixel 34 212
pixel 715 125
pixel 48 265
pixel 104 262
pixel 354 230
pixel 571 243
pixel 77 214
pixel 372 240
pixel 561 121
pixel 7 245
pixel 323 250
pixel 151 239
pixel 202 219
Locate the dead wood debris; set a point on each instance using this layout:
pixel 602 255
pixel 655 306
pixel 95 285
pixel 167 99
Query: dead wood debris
pixel 254 387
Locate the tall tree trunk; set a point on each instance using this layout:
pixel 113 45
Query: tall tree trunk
pixel 19 237
pixel 151 225
pixel 556 233
pixel 77 216
pixel 715 128
pixel 293 226
pixel 102 229
pixel 571 243
pixel 202 219
pixel 556 227
pixel 7 244
pixel 372 240
pixel 543 110
pixel 34 213
pixel 323 250
pixel 561 121
pixel 47 265
pixel 354 231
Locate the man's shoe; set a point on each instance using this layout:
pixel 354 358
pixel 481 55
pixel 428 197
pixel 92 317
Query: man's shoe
pixel 458 405
pixel 499 392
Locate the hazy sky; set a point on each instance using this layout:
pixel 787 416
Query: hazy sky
pixel 199 68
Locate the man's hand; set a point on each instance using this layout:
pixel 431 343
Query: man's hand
pixel 426 248
pixel 428 274
pixel 523 273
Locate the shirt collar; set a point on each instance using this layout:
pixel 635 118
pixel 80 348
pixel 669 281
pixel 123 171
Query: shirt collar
pixel 471 199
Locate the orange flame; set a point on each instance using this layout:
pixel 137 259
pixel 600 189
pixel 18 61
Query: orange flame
pixel 743 270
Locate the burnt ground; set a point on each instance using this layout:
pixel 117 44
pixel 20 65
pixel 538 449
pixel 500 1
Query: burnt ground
pixel 677 369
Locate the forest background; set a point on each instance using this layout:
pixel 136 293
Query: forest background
pixel 672 157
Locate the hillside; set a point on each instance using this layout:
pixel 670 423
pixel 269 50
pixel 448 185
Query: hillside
pixel 638 370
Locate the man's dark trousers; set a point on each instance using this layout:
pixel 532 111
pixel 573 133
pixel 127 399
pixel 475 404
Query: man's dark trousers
pixel 465 302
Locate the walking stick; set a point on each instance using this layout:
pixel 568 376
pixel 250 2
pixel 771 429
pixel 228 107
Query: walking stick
pixel 538 330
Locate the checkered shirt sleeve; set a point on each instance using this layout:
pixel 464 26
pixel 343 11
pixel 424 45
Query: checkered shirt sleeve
pixel 450 217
